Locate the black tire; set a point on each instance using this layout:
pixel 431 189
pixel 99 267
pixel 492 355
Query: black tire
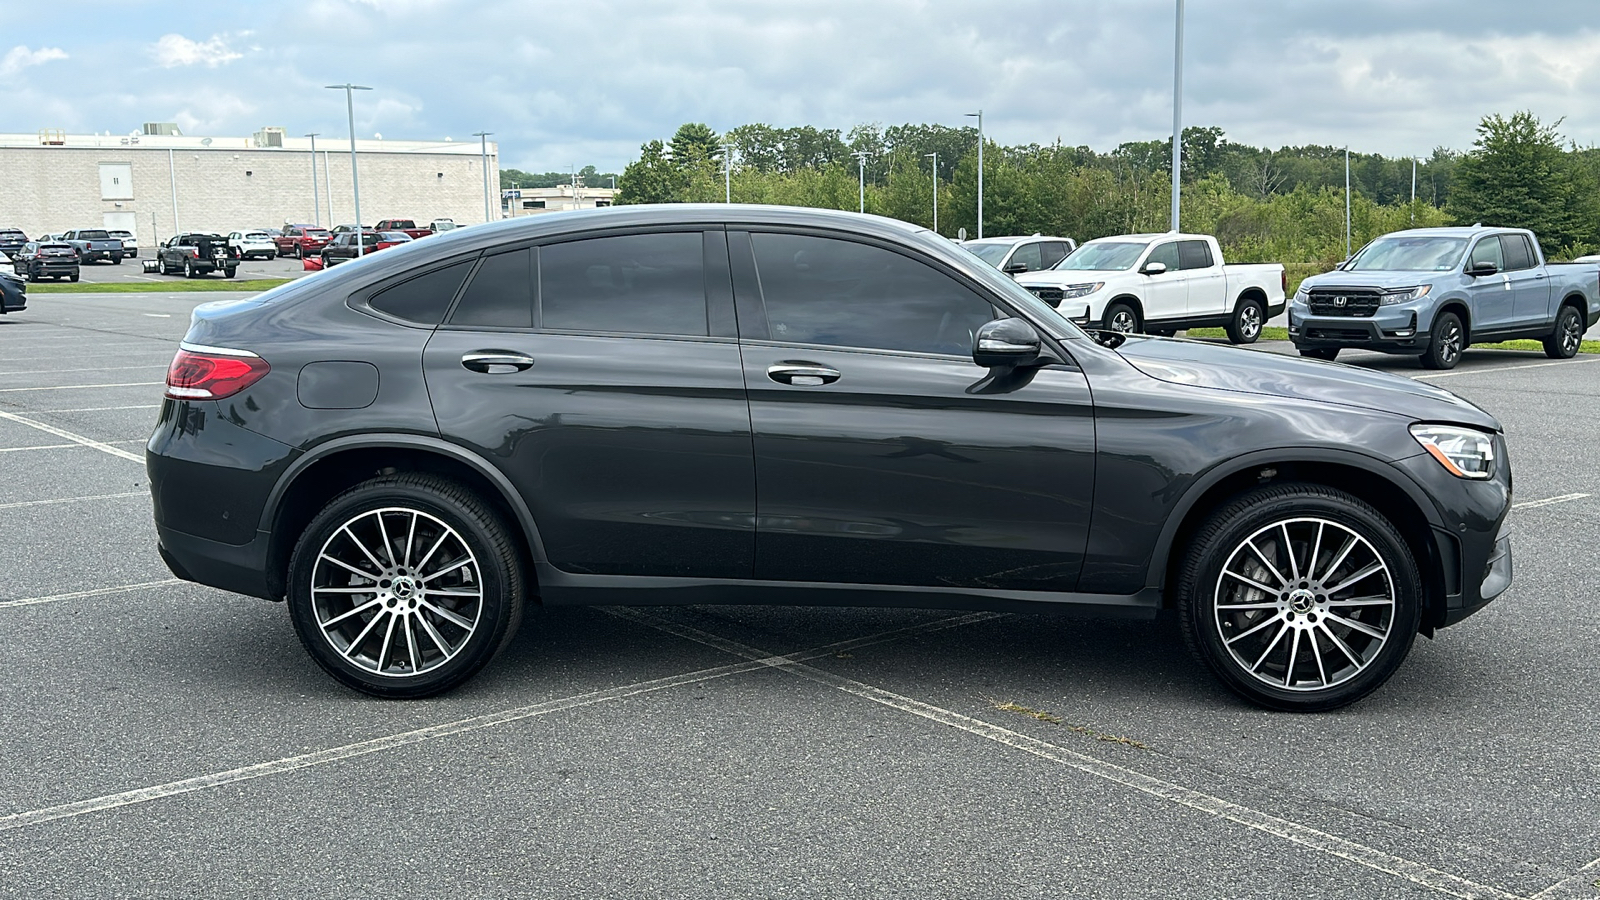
pixel 1337 537
pixel 116 260
pixel 1121 317
pixel 1161 332
pixel 475 548
pixel 1326 354
pixel 1567 336
pixel 1448 339
pixel 73 277
pixel 33 275
pixel 271 257
pixel 299 252
pixel 1249 317
pixel 230 271
pixel 188 269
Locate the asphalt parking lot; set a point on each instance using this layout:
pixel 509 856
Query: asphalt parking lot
pixel 163 739
pixel 131 270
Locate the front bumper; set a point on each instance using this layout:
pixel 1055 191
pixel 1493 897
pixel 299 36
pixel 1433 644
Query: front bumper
pixel 1471 544
pixel 1390 330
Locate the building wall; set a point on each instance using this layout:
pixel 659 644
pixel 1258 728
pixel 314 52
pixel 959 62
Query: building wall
pixel 50 189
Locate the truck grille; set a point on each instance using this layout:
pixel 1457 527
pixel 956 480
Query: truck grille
pixel 1344 303
pixel 1049 295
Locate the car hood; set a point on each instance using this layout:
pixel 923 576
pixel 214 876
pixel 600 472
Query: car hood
pixel 1378 279
pixel 1258 372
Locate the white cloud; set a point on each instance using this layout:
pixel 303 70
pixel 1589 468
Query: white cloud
pixel 21 57
pixel 176 50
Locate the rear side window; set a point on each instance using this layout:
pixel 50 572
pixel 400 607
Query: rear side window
pixel 1194 255
pixel 636 284
pixel 1052 252
pixel 422 299
pixel 501 293
pixel 1515 249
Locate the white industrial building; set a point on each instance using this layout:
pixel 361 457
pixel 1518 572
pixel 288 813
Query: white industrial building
pixel 158 182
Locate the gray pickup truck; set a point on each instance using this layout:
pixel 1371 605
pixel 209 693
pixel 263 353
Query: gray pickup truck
pixel 95 244
pixel 1432 292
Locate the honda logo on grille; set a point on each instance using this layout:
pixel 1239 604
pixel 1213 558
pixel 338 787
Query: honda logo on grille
pixel 1339 301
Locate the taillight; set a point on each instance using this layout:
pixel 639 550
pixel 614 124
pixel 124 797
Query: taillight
pixel 213 373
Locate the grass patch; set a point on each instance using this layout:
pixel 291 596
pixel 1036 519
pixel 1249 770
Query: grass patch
pixel 1272 333
pixel 158 287
pixel 1084 730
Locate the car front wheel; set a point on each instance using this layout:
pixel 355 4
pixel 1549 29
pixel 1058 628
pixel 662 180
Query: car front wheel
pixel 1121 317
pixel 405 586
pixel 1563 343
pixel 1449 339
pixel 1300 597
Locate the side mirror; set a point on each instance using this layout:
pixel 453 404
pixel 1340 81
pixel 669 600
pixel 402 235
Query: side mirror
pixel 1480 269
pixel 1153 268
pixel 1006 342
pixel 1015 268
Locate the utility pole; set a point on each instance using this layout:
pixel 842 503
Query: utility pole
pixel 483 144
pixel 172 176
pixel 1347 203
pixel 861 160
pixel 727 174
pixel 935 156
pixel 1177 117
pixel 355 178
pixel 979 115
pixel 316 202
pixel 1413 190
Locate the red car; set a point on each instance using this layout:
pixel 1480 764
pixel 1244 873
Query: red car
pixel 300 241
pixel 408 226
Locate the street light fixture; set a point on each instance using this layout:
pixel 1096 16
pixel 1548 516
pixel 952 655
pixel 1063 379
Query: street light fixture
pixel 483 141
pixel 316 201
pixel 935 156
pixel 355 179
pixel 979 115
pixel 861 159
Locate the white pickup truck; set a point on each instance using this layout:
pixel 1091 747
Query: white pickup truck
pixel 1159 284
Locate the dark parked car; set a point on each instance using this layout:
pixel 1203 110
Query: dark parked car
pixel 195 254
pixel 46 259
pixel 11 240
pixel 13 293
pixel 343 247
pixel 694 404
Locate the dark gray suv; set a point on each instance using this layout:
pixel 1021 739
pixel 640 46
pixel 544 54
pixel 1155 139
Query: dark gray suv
pixel 700 404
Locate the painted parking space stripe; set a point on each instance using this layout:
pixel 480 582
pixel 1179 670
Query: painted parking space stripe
pixel 22 503
pixel 61 446
pixel 97 592
pixel 1548 501
pixel 75 438
pixel 1360 854
pixel 85 369
pixel 1455 372
pixel 1579 885
pixel 435 732
pixel 84 409
pixel 72 387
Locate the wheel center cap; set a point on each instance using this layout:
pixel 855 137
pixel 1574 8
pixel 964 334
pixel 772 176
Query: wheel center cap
pixel 1300 600
pixel 404 588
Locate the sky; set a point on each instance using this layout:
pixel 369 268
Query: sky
pixel 585 83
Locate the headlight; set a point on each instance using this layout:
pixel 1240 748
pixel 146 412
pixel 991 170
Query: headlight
pixel 1080 290
pixel 1402 295
pixel 1464 452
pixel 1301 293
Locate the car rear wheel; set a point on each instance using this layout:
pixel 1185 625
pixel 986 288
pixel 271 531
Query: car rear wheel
pixel 73 277
pixel 1449 339
pixel 188 269
pixel 1564 341
pixel 405 586
pixel 1248 319
pixel 1300 597
pixel 1327 354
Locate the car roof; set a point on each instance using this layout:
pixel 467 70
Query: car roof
pixel 1453 231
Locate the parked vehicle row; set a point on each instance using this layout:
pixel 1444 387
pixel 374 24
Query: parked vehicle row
pixel 343 247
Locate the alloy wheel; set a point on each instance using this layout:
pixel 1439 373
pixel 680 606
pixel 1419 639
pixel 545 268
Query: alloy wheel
pixel 1304 604
pixel 1571 334
pixel 1122 321
pixel 1450 344
pixel 1250 321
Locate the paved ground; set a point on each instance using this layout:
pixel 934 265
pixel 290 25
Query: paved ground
pixel 163 739
pixel 132 270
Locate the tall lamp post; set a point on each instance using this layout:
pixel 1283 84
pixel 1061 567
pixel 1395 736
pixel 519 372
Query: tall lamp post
pixel 316 201
pixel 861 160
pixel 727 174
pixel 935 156
pixel 979 116
pixel 1177 116
pixel 355 179
pixel 483 142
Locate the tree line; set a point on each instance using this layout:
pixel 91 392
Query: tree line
pixel 1285 205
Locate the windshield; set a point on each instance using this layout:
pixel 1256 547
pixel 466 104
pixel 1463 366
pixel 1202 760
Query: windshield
pixel 990 252
pixel 1110 256
pixel 93 235
pixel 1408 253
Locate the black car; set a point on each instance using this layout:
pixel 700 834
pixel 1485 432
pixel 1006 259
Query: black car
pixel 343 247
pixel 198 253
pixel 11 240
pixel 698 404
pixel 46 259
pixel 13 293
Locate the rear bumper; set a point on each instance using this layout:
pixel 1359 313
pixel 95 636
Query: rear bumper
pixel 52 267
pixel 240 568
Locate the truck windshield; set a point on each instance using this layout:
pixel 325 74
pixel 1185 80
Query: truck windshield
pixel 1098 257
pixel 1408 253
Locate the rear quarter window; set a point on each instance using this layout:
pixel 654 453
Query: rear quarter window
pixel 422 299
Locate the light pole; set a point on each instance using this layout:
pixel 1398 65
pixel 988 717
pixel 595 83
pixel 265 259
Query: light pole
pixel 935 156
pixel 727 174
pixel 483 141
pixel 1413 190
pixel 327 179
pixel 979 115
pixel 355 179
pixel 1177 116
pixel 172 177
pixel 316 201
pixel 1347 203
pixel 861 160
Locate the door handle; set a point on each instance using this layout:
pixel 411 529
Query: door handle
pixel 496 362
pixel 802 373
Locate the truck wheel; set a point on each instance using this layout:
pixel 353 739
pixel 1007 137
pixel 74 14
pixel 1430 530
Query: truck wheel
pixel 230 271
pixel 1449 339
pixel 116 260
pixel 73 277
pixel 1326 354
pixel 1564 341
pixel 1121 317
pixel 1248 319
pixel 188 269
pixel 271 257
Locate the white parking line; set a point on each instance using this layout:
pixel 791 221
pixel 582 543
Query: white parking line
pixel 86 369
pixel 407 738
pixel 97 592
pixel 75 438
pixel 1370 857
pixel 70 387
pixel 1451 374
pixel 1548 501
pixel 21 503
pixel 60 446
pixel 83 409
pixel 1580 884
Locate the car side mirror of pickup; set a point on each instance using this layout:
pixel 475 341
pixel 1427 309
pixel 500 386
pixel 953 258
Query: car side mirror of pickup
pixel 1482 268
pixel 1153 268
pixel 1015 268
pixel 1006 343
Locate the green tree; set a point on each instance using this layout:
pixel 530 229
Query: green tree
pixel 653 178
pixel 1518 176
pixel 695 144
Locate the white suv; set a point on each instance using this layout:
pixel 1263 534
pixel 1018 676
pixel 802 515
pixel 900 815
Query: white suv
pixel 130 244
pixel 1014 255
pixel 253 243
